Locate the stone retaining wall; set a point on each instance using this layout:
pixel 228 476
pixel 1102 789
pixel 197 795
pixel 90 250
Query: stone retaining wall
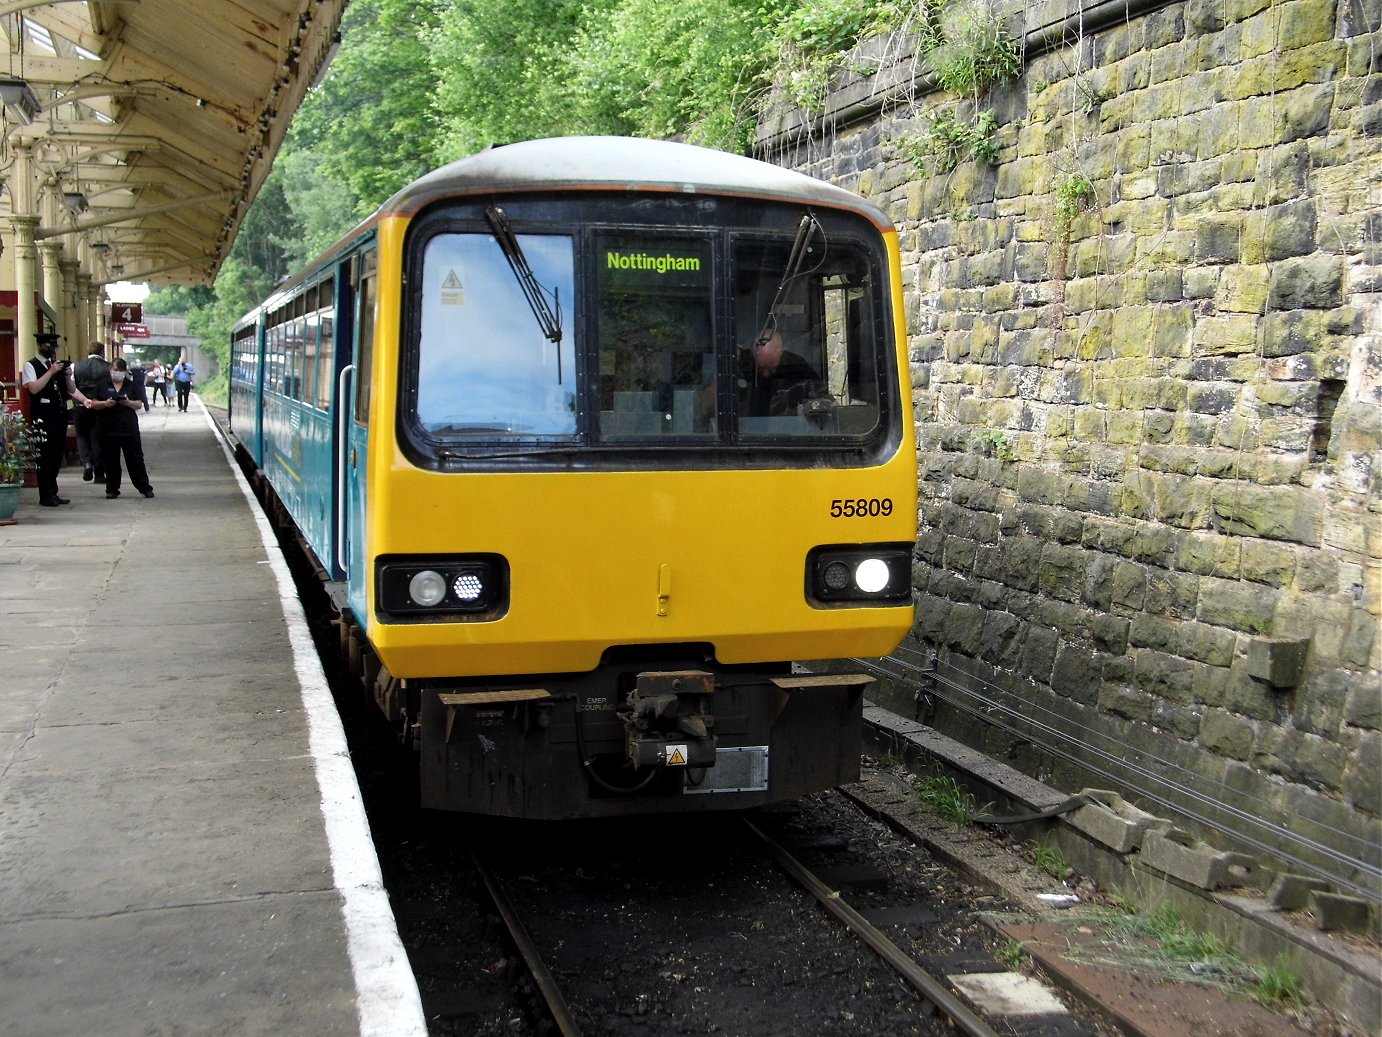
pixel 1150 430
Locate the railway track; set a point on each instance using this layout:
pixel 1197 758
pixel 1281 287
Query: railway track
pixel 744 951
pixel 692 924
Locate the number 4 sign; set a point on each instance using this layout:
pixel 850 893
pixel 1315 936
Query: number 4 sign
pixel 127 312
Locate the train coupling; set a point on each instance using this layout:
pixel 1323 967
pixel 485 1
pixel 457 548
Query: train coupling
pixel 668 721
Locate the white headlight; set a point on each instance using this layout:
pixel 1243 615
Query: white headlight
pixel 468 587
pixel 871 575
pixel 427 588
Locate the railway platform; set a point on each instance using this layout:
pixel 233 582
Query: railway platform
pixel 182 844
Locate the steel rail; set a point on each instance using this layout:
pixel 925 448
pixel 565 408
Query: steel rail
pixel 918 978
pixel 542 976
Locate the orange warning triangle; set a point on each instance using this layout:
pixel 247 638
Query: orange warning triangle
pixel 676 759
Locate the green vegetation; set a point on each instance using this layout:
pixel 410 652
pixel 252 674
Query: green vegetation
pixel 949 140
pixel 1012 954
pixel 970 51
pixel 942 796
pixel 1277 985
pixel 811 40
pixel 1049 861
pixel 1074 193
pixel 995 441
pixel 1160 942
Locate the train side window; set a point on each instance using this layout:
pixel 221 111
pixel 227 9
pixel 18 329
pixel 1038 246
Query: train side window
pixel 656 335
pixel 485 364
pixel 368 268
pixel 295 344
pixel 825 341
pixel 309 346
pixel 309 357
pixel 326 346
pixel 274 381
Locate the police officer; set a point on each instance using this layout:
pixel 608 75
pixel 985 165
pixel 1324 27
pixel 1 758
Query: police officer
pixel 49 382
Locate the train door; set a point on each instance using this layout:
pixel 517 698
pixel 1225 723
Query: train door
pixel 354 417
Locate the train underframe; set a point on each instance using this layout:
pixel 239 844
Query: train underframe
pixel 642 734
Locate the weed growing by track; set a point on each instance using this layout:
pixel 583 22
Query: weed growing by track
pixel 942 796
pixel 1159 941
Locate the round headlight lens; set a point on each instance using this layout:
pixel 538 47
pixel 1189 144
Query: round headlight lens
pixel 835 577
pixel 427 588
pixel 871 575
pixel 467 586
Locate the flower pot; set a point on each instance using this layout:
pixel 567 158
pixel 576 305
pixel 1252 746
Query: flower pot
pixel 9 499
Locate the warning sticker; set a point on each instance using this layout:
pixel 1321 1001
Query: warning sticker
pixel 676 756
pixel 452 292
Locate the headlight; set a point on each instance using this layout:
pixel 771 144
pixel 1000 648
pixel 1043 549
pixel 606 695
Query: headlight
pixel 869 574
pixel 427 588
pixel 872 575
pixel 456 586
pixel 468 586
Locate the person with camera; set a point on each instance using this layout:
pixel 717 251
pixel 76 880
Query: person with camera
pixel 117 414
pixel 183 374
pixel 49 383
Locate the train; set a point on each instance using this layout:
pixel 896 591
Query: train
pixel 604 449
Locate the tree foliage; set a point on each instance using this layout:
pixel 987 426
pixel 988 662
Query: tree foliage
pixel 497 69
pixel 371 122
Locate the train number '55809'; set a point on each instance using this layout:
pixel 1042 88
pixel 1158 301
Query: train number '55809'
pixel 861 507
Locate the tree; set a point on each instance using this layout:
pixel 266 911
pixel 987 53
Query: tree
pixel 321 208
pixel 692 69
pixel 536 68
pixel 371 122
pixel 499 69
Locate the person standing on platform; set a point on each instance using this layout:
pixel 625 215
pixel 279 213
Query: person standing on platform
pixel 92 376
pixel 155 382
pixel 49 383
pixel 183 374
pixel 119 416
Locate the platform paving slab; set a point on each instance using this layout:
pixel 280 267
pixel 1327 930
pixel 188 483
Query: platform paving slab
pixel 168 861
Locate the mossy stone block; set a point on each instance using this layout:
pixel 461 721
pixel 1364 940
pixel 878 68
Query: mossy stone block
pixel 1277 660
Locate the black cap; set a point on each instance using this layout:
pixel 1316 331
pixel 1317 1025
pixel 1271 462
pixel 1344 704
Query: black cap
pixel 47 336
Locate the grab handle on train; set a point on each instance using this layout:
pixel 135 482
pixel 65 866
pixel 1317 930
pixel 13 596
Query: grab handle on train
pixel 343 410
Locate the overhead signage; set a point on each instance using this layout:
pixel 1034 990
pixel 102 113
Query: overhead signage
pixel 133 330
pixel 127 312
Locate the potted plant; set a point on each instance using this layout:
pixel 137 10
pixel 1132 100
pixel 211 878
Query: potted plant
pixel 19 441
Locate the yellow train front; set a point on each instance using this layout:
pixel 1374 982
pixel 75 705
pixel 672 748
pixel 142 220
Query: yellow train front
pixel 627 431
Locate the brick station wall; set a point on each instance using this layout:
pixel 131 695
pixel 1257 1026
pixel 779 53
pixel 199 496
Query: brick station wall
pixel 1150 442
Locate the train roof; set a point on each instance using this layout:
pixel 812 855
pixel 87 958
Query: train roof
pixel 601 164
pixel 623 164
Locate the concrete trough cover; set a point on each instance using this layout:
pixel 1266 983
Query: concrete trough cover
pixel 1007 994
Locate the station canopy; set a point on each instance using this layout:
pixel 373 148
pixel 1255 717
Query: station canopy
pixel 157 120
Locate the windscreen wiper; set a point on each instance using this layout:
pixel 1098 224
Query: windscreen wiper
pixel 796 259
pixel 548 317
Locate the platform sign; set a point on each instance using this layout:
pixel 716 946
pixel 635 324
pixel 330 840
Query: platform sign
pixel 133 330
pixel 127 312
